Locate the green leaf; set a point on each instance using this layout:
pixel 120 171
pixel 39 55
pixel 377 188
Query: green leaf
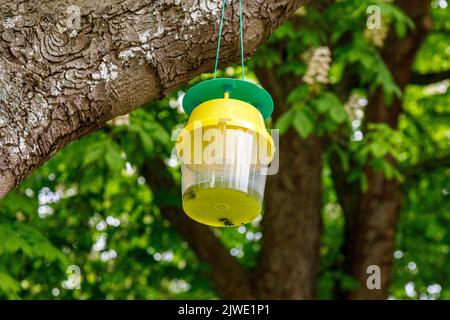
pixel 298 95
pixel 302 123
pixel 113 159
pixel 364 183
pixel 326 101
pixel 9 286
pixel 386 81
pixel 329 102
pixel 402 22
pixel 338 114
pixel 348 283
pixel 15 237
pixel 322 105
pixel 284 121
pixel 336 72
pixel 146 141
pixel 94 153
pixel 379 149
pixel 297 68
pixel 343 157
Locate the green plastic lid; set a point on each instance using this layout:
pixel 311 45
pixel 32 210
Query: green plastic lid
pixel 238 89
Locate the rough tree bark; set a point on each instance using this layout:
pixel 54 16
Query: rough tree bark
pixel 62 77
pixel 289 259
pixel 372 218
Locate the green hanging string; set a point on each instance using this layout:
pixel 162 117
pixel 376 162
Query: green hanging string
pixel 224 3
pixel 242 38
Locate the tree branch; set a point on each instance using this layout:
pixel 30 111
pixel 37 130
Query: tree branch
pixel 66 67
pixel 428 165
pixel 424 79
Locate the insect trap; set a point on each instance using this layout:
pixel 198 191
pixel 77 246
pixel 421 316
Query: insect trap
pixel 225 149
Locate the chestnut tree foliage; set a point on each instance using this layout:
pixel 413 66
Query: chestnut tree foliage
pixel 103 219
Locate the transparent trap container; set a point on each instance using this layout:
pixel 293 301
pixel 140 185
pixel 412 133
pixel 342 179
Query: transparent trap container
pixel 225 151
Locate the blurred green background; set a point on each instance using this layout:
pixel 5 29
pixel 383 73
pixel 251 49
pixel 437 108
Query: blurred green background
pixel 89 224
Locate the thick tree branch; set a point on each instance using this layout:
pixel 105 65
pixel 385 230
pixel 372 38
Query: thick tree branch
pixel 424 79
pixel 66 67
pixel 426 166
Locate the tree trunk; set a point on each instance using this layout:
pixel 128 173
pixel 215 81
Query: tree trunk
pixel 292 226
pixel 66 67
pixel 371 230
pixel 289 261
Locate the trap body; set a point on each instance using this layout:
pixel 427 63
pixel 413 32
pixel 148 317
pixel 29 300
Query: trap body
pixel 225 151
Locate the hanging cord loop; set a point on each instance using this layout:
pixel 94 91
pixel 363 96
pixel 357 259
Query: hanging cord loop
pixel 224 3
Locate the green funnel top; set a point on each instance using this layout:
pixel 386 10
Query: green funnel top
pixel 238 89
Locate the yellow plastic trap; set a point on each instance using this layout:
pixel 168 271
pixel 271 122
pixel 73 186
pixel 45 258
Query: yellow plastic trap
pixel 225 150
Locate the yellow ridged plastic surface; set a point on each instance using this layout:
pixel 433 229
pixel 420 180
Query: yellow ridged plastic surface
pixel 228 113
